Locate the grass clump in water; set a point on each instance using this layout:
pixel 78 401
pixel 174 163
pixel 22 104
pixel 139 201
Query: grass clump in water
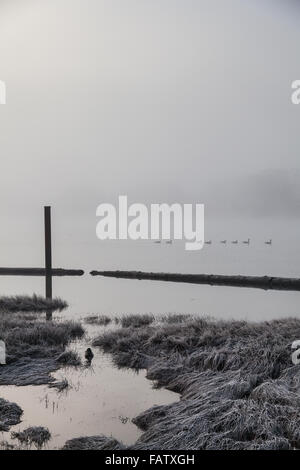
pixel 101 320
pixel 36 435
pixel 61 386
pixel 24 303
pixel 93 443
pixel 37 338
pixel 10 414
pixel 135 321
pixel 69 358
pixel 34 348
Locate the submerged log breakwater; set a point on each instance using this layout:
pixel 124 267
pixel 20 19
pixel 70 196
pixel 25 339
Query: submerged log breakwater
pixel 259 282
pixel 40 272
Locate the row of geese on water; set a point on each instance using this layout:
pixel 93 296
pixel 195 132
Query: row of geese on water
pixel 224 242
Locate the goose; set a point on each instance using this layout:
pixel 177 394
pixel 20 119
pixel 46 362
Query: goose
pixel 157 241
pixel 234 242
pixel 247 242
pixel 89 355
pixel 268 242
pixel 208 242
pixel 223 241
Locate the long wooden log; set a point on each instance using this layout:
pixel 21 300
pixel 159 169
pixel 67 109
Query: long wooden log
pixel 39 272
pixel 259 282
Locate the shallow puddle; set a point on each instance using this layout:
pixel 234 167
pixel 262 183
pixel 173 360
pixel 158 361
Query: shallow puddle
pixel 101 399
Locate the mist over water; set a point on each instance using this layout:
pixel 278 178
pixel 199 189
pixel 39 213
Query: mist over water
pixel 167 101
pixel 185 101
pixel 116 296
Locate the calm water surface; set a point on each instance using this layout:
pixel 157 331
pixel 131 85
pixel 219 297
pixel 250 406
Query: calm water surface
pixel 116 296
pixel 103 399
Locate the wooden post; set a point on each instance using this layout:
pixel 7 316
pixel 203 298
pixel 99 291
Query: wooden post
pixel 48 252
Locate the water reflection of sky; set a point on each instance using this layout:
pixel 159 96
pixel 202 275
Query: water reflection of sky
pixel 89 295
pixel 101 400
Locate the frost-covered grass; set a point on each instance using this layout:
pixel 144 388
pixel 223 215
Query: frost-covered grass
pixel 93 443
pixel 35 348
pixel 34 338
pixel 239 388
pixel 134 320
pixel 10 414
pixel 36 435
pixel 175 318
pixel 101 320
pixel 23 303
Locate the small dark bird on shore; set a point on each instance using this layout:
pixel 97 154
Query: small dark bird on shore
pixel 89 355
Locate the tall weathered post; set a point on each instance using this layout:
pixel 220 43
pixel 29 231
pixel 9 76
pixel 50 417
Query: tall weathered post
pixel 48 252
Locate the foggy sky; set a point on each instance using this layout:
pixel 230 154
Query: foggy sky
pixel 161 100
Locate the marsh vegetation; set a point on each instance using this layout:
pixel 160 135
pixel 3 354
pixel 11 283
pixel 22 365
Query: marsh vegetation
pixel 35 435
pixel 101 320
pixel 34 349
pixel 10 414
pixel 239 388
pixel 35 303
